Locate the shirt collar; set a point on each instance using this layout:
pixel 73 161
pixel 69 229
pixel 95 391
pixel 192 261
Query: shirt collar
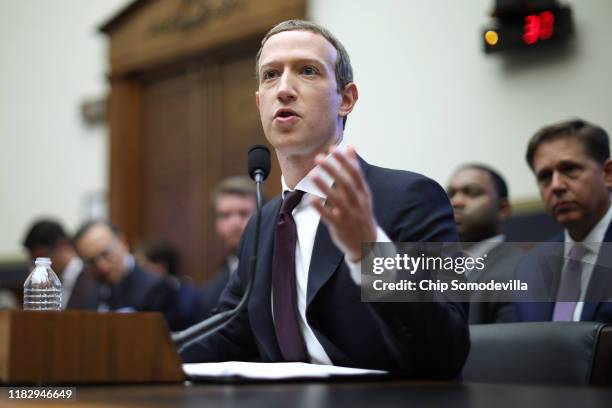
pixel 594 239
pixel 307 185
pixel 129 262
pixel 480 248
pixel 232 263
pixel 72 270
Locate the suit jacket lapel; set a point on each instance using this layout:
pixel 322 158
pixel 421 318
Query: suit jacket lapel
pixel 553 267
pixel 326 257
pixel 551 264
pixel 75 300
pixel 260 304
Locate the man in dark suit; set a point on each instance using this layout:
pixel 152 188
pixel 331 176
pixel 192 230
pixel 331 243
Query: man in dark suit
pixel 162 257
pixel 234 202
pixel 47 239
pixel 479 196
pixel 125 285
pixel 571 162
pixel 306 303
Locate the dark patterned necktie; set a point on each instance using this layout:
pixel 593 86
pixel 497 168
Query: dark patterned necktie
pixel 284 292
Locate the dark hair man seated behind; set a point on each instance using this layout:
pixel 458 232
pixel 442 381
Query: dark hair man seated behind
pixel 573 171
pixel 46 238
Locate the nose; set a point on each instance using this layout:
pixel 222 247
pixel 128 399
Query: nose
pixel 286 88
pixel 557 184
pixel 457 201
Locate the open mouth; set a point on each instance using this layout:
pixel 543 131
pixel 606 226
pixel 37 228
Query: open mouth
pixel 283 114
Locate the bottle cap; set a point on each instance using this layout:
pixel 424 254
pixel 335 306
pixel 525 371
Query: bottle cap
pixel 43 261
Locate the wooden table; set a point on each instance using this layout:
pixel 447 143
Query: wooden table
pixel 334 394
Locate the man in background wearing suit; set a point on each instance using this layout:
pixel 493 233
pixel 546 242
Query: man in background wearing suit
pixel 479 196
pixel 571 163
pixel 234 201
pixel 125 285
pixel 47 239
pixel 306 303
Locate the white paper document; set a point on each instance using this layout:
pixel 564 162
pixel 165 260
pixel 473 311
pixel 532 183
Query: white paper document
pixel 271 371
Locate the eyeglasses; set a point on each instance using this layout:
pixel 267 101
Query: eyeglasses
pixel 105 255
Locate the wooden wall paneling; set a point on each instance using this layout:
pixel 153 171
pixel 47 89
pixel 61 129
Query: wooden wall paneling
pixel 214 251
pixel 167 168
pixel 125 155
pixel 242 125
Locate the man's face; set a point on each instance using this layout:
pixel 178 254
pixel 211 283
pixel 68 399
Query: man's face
pixel 476 205
pixel 573 186
pixel 103 254
pixel 232 213
pixel 298 100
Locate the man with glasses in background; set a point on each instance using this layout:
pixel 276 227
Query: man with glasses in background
pixel 125 285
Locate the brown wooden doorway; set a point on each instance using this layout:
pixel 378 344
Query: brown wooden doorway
pixel 182 115
pixel 199 120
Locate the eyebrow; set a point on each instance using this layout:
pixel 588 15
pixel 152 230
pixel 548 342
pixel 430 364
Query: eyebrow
pixel 272 63
pixel 561 163
pixel 466 186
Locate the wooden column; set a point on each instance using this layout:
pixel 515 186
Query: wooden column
pixel 126 155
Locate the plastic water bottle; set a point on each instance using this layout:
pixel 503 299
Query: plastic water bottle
pixel 43 289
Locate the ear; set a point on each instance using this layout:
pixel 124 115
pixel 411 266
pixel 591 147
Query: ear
pixel 607 168
pixel 257 99
pixel 349 97
pixel 504 209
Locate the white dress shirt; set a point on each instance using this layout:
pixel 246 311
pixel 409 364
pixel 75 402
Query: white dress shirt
pixel 69 275
pixel 307 221
pixel 592 242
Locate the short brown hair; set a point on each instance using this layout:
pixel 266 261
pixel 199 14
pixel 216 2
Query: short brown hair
pixel 343 68
pixel 593 138
pixel 237 185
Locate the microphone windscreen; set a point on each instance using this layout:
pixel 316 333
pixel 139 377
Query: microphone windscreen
pixel 259 159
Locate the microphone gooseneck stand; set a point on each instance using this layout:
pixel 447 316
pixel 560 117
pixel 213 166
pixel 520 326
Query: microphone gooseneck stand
pixel 200 331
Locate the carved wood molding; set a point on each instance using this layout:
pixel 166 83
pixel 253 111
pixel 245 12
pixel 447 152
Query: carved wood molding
pixel 192 14
pixel 151 33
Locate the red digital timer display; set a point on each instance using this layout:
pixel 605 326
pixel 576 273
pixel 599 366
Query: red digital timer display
pixel 538 27
pixel 528 28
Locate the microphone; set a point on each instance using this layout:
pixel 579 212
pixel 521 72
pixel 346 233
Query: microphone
pixel 259 168
pixel 259 162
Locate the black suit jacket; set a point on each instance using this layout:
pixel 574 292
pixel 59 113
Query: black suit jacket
pixel 542 268
pixel 485 307
pixel 136 290
pixel 142 290
pixel 421 339
pixel 84 293
pixel 211 292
